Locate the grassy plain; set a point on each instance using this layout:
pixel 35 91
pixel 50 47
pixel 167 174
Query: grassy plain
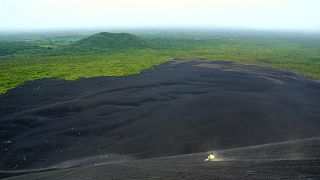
pixel 47 56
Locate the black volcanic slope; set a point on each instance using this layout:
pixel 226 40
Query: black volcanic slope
pixel 284 160
pixel 175 108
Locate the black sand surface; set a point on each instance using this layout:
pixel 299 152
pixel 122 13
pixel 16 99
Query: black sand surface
pixel 175 108
pixel 286 160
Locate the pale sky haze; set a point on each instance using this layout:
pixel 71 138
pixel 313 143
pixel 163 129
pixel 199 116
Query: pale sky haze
pixel 257 14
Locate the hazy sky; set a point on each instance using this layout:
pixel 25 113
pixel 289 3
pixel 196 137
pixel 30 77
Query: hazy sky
pixel 270 14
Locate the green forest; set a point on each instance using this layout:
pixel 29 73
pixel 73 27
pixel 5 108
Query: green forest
pixel 71 56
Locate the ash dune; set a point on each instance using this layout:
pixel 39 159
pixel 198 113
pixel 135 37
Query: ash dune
pixel 176 108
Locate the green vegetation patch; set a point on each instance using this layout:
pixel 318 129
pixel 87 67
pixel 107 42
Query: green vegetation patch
pixel 71 67
pixel 108 54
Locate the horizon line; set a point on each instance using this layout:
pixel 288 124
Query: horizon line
pixel 153 28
